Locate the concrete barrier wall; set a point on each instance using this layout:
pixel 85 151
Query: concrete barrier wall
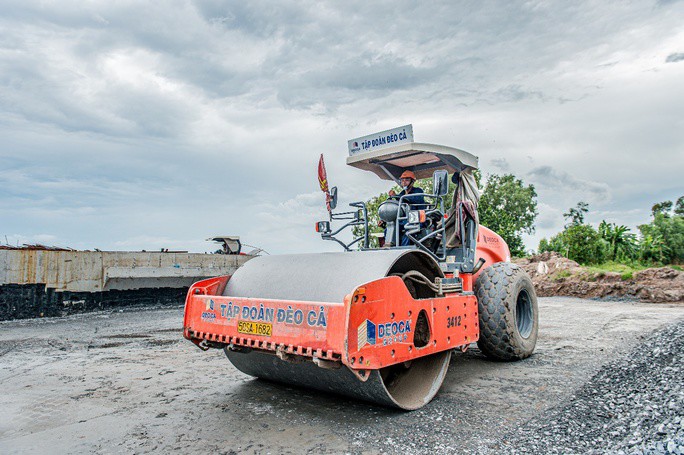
pixel 94 271
pixel 41 283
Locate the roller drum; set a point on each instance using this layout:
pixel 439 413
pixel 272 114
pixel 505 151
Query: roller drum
pixel 329 277
pixel 323 277
pixel 408 388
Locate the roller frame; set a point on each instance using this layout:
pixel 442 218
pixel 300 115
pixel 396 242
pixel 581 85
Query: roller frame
pixel 453 322
pixel 357 294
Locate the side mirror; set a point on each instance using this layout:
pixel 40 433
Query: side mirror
pixel 333 198
pixel 440 183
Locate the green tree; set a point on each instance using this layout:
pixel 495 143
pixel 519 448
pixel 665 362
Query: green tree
pixel 662 240
pixel 579 242
pixel 576 214
pixel 652 247
pixel 555 243
pixel 544 246
pixel 509 208
pixel 621 243
pixel 662 208
pixel 679 206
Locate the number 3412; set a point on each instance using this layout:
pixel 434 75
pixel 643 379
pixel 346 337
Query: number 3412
pixel 453 321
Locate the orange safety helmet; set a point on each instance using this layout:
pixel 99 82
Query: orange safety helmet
pixel 408 175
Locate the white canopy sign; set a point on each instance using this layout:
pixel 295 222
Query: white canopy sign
pixel 381 140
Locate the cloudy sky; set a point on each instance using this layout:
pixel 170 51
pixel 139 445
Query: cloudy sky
pixel 127 125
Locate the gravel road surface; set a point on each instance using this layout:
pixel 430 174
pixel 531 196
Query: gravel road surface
pixel 606 377
pixel 634 404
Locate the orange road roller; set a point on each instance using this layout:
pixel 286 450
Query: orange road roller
pixel 376 323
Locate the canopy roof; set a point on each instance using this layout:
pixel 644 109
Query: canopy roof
pixel 231 243
pixel 422 159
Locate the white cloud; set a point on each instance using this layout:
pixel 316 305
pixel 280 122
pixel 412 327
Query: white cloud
pixel 501 164
pixel 548 179
pixel 129 125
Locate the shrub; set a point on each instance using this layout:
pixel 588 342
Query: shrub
pixel 662 240
pixel 579 242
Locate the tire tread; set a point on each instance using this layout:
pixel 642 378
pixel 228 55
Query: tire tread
pixel 495 289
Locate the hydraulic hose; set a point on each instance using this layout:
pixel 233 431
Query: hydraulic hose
pixel 437 288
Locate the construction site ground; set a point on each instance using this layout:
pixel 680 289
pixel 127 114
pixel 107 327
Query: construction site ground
pixel 127 382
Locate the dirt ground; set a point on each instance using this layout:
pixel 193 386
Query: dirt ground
pixel 128 383
pixel 555 275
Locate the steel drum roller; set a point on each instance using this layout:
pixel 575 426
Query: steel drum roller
pixel 329 277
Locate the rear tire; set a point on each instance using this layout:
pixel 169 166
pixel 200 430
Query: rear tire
pixel 509 316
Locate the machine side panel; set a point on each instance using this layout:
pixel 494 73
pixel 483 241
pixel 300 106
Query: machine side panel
pixel 384 317
pixel 303 328
pixel 491 247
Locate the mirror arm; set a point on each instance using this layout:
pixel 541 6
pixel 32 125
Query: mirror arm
pixel 362 205
pixel 338 241
pixel 357 239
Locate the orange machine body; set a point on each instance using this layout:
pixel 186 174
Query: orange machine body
pixel 373 327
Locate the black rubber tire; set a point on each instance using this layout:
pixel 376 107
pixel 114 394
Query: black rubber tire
pixel 509 315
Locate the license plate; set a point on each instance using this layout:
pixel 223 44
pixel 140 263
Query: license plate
pixel 255 328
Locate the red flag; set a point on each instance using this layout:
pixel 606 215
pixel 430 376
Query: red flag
pixel 322 175
pixel 323 181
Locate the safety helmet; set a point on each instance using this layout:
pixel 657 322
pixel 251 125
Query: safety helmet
pixel 408 175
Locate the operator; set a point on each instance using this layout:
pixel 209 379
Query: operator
pixel 408 179
pixel 417 202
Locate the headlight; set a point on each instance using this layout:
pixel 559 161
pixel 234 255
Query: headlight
pixel 416 216
pixel 323 227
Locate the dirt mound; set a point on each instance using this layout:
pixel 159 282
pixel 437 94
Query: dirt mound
pixel 553 275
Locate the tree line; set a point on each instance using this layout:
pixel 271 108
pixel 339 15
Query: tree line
pixel 661 241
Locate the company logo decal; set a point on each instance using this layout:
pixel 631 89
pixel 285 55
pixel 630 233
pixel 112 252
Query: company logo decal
pixel 370 333
pixel 312 317
pixel 366 332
